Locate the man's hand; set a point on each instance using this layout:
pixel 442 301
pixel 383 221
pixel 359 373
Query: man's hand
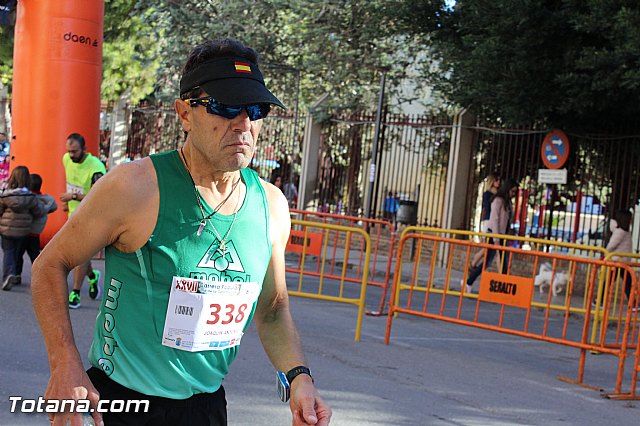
pixel 306 405
pixel 65 197
pixel 69 381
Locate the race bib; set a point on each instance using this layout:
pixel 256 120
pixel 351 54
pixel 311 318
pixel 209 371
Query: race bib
pixel 74 189
pixel 207 315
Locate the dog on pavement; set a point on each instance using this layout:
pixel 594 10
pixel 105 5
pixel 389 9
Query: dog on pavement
pixel 543 279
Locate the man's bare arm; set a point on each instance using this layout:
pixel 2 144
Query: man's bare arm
pixel 105 217
pixel 275 324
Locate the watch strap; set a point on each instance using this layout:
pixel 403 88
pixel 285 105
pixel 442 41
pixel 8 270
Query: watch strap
pixel 296 371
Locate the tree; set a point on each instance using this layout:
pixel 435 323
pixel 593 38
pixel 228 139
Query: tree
pixel 129 55
pixel 338 47
pixel 7 26
pixel 567 63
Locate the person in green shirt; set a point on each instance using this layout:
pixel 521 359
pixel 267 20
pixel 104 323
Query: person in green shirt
pixel 195 245
pixel 82 170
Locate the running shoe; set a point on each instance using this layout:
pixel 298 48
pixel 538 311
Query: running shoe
pixel 9 282
pixel 74 300
pixel 94 285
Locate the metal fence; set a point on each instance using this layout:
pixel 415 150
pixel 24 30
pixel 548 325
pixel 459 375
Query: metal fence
pixel 602 178
pixel 412 156
pixel 279 148
pixel 412 162
pixel 155 128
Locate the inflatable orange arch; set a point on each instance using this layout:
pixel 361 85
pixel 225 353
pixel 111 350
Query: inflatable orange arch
pixel 57 71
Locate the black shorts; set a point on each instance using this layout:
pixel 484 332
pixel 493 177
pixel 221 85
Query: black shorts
pixel 201 409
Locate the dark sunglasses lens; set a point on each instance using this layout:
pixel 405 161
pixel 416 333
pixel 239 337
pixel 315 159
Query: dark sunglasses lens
pixel 258 111
pixel 254 111
pixel 222 110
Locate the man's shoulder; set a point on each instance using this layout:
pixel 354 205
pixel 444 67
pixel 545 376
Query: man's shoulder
pixel 95 163
pixel 117 185
pixel 140 171
pixel 275 197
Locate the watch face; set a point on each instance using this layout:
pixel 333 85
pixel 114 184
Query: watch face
pixel 283 386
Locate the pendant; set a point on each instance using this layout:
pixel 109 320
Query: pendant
pixel 222 248
pixel 201 227
pixel 221 263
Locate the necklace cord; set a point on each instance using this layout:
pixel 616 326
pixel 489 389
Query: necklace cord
pixel 198 199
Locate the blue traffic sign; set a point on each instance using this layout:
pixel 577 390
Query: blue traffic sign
pixel 555 149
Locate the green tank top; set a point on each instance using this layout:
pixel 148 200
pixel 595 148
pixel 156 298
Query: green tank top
pixel 127 341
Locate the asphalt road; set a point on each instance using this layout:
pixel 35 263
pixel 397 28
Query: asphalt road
pixel 431 373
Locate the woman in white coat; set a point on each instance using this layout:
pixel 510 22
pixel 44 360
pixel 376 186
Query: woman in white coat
pixel 499 223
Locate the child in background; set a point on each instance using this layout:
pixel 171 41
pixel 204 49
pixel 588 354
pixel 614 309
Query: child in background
pixel 31 244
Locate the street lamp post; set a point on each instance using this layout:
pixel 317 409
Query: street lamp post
pixel 374 148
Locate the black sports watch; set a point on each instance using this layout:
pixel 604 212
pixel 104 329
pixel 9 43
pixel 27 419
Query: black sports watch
pixel 296 371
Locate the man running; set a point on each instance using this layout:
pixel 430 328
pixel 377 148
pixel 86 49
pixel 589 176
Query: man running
pixel 82 170
pixel 195 246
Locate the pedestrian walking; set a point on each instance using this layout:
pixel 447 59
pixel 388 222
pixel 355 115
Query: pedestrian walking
pixel 18 208
pixel 82 171
pixel 619 242
pixel 31 244
pixel 499 223
pixel 494 180
pixel 390 208
pixel 291 193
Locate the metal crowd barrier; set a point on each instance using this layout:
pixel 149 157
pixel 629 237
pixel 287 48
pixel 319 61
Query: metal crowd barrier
pixel 383 241
pixel 612 296
pixel 430 282
pixel 328 268
pixel 532 245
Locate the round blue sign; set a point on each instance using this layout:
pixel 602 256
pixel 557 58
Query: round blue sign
pixel 555 149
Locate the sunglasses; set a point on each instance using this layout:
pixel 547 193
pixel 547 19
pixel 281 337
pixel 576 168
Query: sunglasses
pixel 254 111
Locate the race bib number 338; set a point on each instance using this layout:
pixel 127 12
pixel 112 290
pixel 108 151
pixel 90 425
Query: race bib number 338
pixel 207 315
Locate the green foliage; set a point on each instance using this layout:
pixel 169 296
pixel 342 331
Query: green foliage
pixel 129 52
pixel 6 51
pixel 570 63
pixel 124 68
pixel 338 46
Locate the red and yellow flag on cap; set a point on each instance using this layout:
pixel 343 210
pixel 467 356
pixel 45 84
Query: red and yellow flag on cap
pixel 242 67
